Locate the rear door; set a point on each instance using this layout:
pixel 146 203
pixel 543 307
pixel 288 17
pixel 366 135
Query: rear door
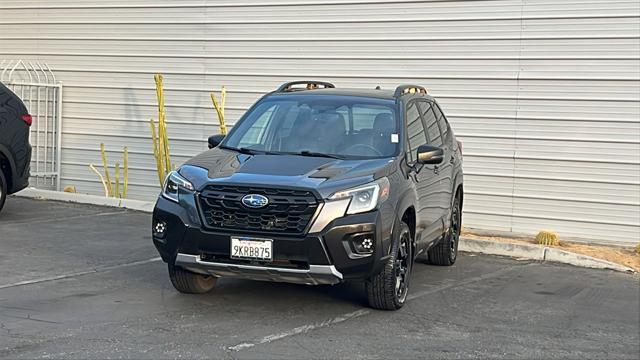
pixel 449 163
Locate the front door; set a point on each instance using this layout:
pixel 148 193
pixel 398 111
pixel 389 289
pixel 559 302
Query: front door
pixel 425 178
pixel 442 171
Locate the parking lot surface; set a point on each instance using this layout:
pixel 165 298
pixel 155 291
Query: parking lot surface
pixel 80 281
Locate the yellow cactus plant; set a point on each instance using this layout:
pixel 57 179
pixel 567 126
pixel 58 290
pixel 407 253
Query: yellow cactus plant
pixel 159 135
pixel 548 238
pixel 219 106
pixel 111 189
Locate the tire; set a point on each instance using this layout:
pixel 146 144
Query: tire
pixel 446 252
pixel 4 188
pixel 388 289
pixel 190 283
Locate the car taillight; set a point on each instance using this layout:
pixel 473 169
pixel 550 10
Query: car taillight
pixel 460 146
pixel 28 119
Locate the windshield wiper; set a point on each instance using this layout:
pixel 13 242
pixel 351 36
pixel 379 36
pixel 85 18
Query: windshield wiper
pixel 318 154
pixel 249 151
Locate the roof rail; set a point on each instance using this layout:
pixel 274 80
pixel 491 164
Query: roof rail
pixel 409 89
pixel 310 85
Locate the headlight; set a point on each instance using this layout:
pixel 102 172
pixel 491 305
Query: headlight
pixel 172 185
pixel 364 198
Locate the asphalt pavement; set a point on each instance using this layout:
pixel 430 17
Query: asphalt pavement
pixel 80 281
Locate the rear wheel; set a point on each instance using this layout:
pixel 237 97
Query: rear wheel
pixel 388 289
pixel 190 283
pixel 446 252
pixel 4 188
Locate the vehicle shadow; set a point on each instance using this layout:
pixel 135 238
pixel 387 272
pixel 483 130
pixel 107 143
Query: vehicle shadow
pixel 272 292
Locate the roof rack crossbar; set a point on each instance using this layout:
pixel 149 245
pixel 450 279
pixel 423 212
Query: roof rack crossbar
pixel 409 89
pixel 310 85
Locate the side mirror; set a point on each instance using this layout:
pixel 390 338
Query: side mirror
pixel 215 140
pixel 428 154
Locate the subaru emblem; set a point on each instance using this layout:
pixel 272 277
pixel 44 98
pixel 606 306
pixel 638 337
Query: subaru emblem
pixel 255 201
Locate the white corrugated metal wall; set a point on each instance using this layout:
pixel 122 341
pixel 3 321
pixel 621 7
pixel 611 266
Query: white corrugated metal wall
pixel 545 93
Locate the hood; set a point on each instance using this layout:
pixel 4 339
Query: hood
pixel 325 175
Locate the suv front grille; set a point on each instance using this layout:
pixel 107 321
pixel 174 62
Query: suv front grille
pixel 288 211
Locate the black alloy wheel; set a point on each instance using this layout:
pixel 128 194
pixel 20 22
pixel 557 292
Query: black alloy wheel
pixel 388 289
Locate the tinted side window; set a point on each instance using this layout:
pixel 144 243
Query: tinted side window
pixel 442 122
pixel 436 110
pixel 431 122
pixel 415 131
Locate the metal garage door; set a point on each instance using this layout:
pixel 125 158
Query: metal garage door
pixel 544 93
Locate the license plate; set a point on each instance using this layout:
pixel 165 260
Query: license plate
pixel 252 248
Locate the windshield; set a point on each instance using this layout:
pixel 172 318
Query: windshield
pixel 319 125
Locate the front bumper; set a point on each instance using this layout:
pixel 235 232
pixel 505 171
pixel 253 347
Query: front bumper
pixel 321 257
pixel 314 275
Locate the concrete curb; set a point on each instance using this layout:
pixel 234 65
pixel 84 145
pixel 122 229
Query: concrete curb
pixel 144 206
pixel 484 233
pixel 537 252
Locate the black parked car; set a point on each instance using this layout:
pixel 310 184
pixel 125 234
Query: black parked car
pixel 15 151
pixel 316 185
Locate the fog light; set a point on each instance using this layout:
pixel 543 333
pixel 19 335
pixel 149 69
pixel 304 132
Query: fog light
pixel 363 243
pixel 160 229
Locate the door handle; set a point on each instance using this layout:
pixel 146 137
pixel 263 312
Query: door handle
pixel 452 160
pixel 436 169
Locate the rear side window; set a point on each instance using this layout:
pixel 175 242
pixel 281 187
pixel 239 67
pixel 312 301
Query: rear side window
pixel 442 122
pixel 415 131
pixel 431 122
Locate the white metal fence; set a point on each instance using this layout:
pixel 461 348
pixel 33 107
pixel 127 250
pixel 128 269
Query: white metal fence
pixel 36 85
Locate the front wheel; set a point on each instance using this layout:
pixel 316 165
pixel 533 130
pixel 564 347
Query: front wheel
pixel 190 283
pixel 388 289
